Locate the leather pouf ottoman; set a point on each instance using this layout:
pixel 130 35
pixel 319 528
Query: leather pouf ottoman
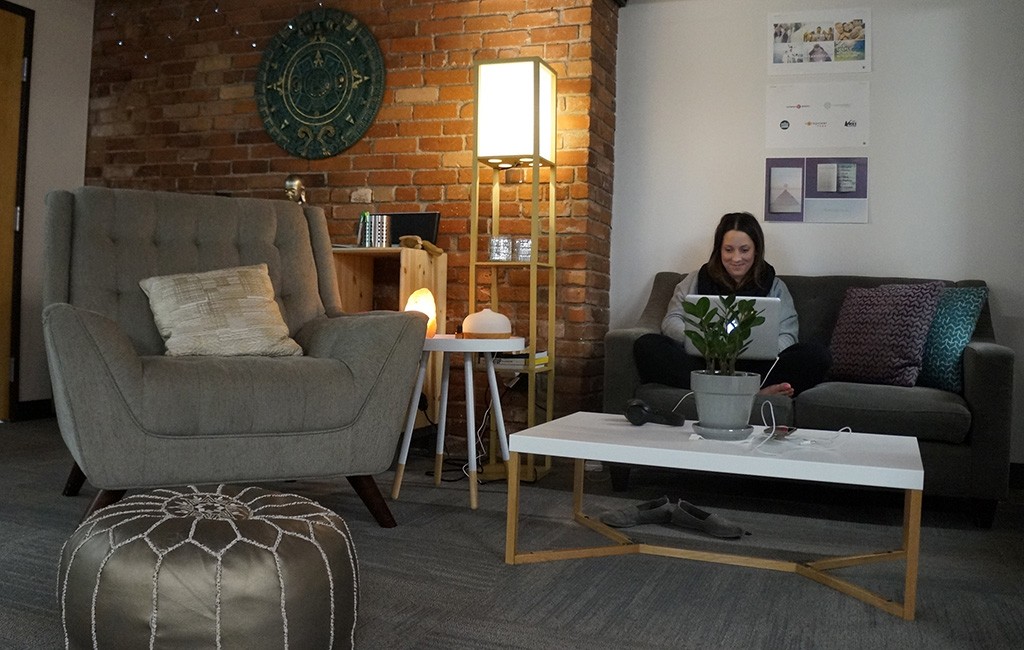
pixel 230 567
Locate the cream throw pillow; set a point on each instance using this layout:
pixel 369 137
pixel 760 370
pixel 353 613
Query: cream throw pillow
pixel 227 312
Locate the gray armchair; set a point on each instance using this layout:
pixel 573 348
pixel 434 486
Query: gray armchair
pixel 133 417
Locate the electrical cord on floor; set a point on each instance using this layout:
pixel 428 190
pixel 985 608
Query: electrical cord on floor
pixel 422 407
pixel 462 466
pixel 482 447
pixel 453 465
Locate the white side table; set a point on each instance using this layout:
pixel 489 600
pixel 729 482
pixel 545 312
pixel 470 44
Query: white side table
pixel 448 344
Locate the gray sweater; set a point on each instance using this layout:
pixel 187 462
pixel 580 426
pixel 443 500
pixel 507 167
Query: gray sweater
pixel 674 323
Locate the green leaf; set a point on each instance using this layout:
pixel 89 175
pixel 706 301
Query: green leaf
pixel 721 334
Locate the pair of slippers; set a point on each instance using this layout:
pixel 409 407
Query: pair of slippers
pixel 682 514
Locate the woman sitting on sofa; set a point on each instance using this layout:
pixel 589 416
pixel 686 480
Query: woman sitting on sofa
pixel 737 267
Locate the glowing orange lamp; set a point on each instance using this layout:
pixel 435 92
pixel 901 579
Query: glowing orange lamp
pixel 422 301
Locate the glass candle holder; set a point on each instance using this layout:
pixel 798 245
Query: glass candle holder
pixel 522 249
pixel 501 249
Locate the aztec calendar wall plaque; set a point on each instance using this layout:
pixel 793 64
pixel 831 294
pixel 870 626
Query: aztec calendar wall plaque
pixel 320 84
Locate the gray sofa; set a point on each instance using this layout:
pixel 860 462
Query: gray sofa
pixel 964 438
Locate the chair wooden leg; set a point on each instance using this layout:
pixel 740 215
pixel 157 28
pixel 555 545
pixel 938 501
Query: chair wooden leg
pixel 103 499
pixel 367 490
pixel 76 479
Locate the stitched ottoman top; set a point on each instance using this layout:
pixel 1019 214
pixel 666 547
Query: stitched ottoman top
pixel 231 566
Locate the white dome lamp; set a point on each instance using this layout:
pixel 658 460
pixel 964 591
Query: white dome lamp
pixel 486 324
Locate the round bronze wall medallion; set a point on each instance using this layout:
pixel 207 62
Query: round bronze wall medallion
pixel 320 83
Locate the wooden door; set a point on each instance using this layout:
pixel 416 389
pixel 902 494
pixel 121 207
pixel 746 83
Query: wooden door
pixel 15 30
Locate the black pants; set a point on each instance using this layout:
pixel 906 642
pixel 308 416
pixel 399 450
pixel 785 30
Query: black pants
pixel 664 360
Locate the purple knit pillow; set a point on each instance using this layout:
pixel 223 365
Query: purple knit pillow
pixel 880 334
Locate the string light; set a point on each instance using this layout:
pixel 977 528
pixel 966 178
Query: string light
pixel 173 35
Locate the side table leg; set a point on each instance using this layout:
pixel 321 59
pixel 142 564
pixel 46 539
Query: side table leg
pixel 499 419
pixel 467 364
pixel 410 422
pixel 442 417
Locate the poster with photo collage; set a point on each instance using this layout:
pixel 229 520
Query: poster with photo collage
pixel 814 42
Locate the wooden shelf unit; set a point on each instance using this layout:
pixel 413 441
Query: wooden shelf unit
pixel 416 269
pixel 541 261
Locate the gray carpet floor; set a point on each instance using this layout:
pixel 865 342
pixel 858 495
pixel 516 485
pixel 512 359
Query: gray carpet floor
pixel 438 580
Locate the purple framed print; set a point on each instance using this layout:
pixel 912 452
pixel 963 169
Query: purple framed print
pixel 816 190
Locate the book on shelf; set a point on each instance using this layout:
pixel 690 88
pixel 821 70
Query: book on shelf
pixel 518 360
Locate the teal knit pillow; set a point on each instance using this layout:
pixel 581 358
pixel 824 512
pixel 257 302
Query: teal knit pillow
pixel 950 332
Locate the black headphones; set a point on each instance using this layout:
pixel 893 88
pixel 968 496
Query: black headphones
pixel 638 412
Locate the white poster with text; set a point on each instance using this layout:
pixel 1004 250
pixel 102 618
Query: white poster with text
pixel 817 115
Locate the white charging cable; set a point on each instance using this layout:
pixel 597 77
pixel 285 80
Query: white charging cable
pixel 681 401
pixel 765 380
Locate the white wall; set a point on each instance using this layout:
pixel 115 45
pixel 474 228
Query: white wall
pixel 945 157
pixel 58 120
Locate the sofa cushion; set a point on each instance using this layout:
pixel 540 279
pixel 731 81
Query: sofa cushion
pixel 881 332
pixel 228 396
pixel 951 330
pixel 226 312
pixel 925 413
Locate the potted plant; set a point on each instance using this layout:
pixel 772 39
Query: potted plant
pixel 723 395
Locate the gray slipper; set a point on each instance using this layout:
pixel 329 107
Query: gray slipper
pixel 658 511
pixel 687 515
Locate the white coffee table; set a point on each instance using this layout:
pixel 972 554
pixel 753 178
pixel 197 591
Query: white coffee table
pixel 822 456
pixel 448 344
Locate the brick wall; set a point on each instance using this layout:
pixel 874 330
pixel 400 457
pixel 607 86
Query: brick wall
pixel 172 108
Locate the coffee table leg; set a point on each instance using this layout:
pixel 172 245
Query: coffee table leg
pixel 512 511
pixel 577 486
pixel 912 546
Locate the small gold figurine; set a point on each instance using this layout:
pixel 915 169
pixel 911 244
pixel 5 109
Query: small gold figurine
pixel 294 189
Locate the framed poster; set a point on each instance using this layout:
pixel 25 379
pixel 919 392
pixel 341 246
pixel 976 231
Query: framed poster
pixel 826 41
pixel 816 190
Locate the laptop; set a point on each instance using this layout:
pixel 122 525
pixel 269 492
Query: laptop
pixel 424 224
pixel 764 338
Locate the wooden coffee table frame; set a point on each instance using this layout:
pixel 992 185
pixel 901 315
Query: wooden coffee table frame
pixel 816 570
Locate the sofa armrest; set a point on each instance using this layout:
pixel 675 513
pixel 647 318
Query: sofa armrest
pixel 621 378
pixel 988 390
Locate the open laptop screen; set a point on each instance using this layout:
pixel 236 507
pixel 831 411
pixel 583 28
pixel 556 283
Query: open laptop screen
pixel 424 224
pixel 764 338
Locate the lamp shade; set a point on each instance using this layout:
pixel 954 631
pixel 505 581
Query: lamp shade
pixel 515 112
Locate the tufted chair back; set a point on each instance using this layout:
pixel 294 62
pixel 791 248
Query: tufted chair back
pixel 106 240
